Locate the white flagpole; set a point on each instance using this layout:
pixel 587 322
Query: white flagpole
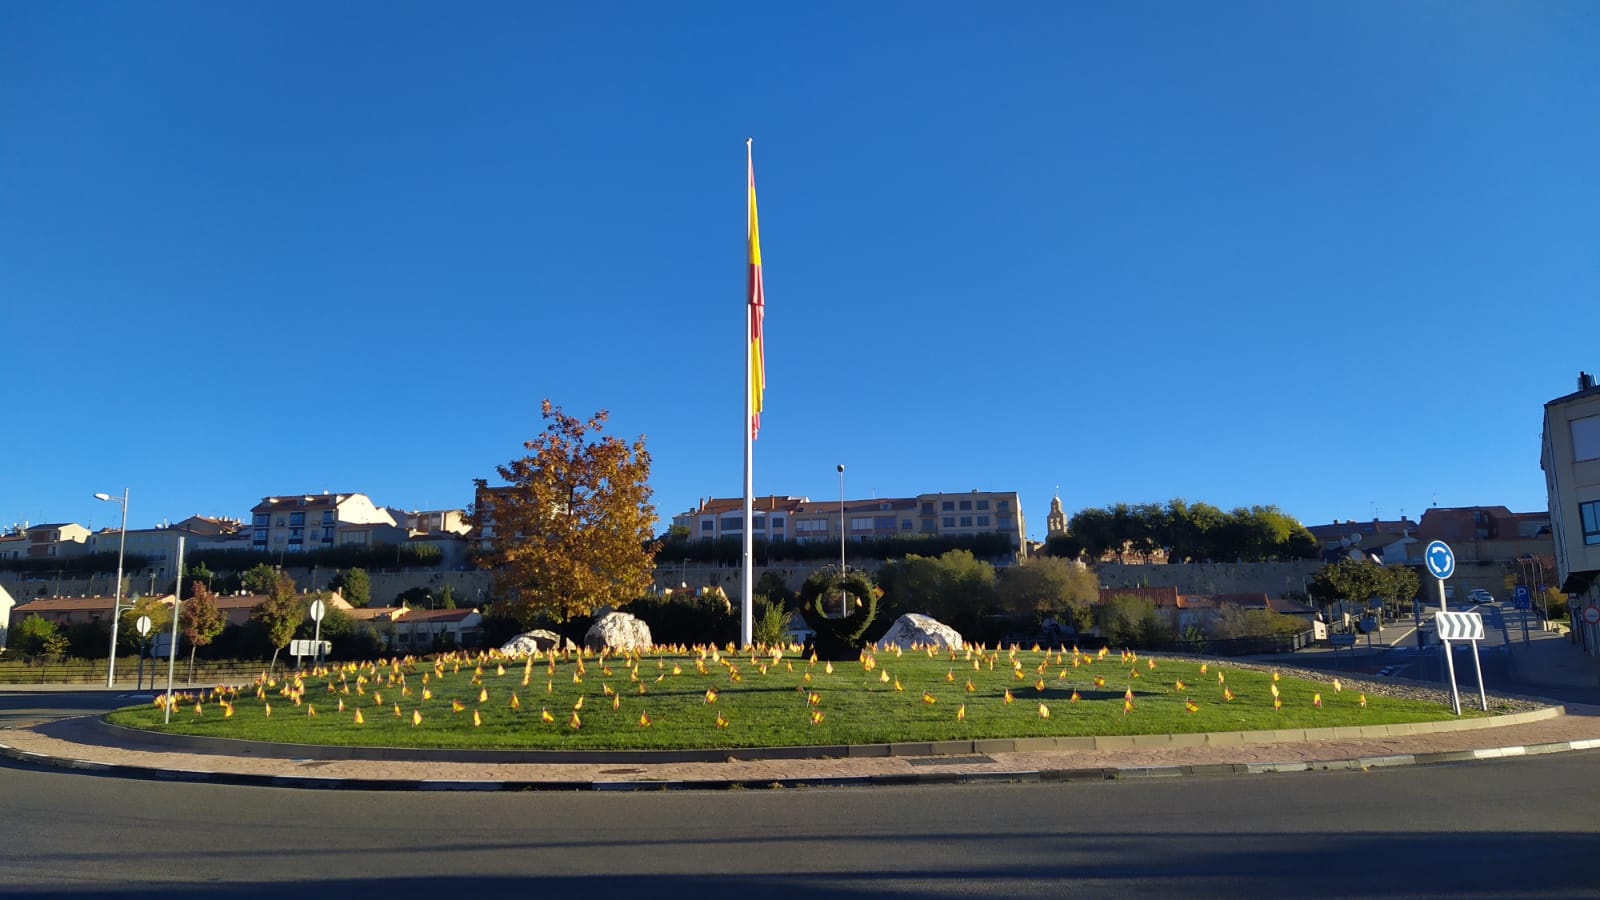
pixel 746 583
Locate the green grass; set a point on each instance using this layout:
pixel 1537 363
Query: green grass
pixel 771 708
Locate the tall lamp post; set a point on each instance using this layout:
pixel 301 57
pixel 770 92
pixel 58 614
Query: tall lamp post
pixel 844 607
pixel 116 609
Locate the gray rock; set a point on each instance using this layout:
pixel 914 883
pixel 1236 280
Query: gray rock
pixel 915 629
pixel 530 643
pixel 618 631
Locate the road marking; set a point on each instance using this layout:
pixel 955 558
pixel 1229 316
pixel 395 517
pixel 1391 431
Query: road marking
pixel 1409 631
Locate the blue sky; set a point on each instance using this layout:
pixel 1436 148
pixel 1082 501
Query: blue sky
pixel 1331 256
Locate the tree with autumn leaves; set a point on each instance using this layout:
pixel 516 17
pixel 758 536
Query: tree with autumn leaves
pixel 572 528
pixel 200 620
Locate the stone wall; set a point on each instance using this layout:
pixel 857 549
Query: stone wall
pixel 1273 578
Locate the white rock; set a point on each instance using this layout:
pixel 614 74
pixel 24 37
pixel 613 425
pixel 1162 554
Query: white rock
pixel 916 630
pixel 534 642
pixel 618 631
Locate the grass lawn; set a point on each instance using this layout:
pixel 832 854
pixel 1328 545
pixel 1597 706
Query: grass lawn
pixel 695 700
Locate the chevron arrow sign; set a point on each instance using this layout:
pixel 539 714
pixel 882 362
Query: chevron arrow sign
pixel 1459 626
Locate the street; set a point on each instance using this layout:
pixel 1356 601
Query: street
pixel 1522 828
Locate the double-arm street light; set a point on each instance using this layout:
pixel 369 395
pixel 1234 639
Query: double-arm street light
pixel 116 609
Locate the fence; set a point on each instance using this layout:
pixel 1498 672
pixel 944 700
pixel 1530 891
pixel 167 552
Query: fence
pixel 38 670
pixel 1248 646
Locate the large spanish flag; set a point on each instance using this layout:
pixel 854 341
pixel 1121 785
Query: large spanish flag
pixel 757 303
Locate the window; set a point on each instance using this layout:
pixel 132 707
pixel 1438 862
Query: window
pixel 777 523
pixel 927 525
pixel 905 524
pixel 1586 438
pixel 949 521
pixel 983 504
pixel 927 509
pixel 262 520
pixel 1591 521
pixel 1006 523
pixel 966 521
pixel 1002 505
pixel 327 535
pixel 947 506
pixel 732 523
pixel 966 505
pixel 864 523
pixel 707 525
pixel 812 524
pixel 297 519
pixel 883 523
pixel 327 514
pixel 983 521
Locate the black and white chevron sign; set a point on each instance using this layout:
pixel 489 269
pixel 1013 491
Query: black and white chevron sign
pixel 1459 626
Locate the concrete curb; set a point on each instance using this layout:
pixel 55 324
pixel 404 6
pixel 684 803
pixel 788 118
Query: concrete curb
pixel 120 735
pixel 911 778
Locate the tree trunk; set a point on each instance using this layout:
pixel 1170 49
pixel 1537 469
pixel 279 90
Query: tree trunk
pixel 191 662
pixel 272 667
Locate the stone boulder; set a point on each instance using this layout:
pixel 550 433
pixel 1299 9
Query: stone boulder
pixel 917 630
pixel 617 631
pixel 531 643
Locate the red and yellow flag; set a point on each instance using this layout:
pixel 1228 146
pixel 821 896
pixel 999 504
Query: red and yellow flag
pixel 757 303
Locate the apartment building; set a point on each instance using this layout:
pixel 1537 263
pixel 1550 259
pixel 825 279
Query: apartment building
pixel 294 524
pixel 1570 456
pixel 802 519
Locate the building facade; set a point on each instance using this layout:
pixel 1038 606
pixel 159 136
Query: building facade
pixel 1570 456
pixel 801 519
pixel 295 524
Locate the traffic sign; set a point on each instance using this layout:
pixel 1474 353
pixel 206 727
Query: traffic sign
pixel 1459 626
pixel 1441 561
pixel 310 648
pixel 1591 614
pixel 142 626
pixel 318 610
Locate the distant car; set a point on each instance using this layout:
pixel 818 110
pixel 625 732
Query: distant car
pixel 1479 595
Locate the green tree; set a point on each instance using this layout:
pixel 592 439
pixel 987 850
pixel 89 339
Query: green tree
pixel 355 586
pixel 447 597
pixel 1046 586
pixel 1356 580
pixel 160 621
pixel 280 613
pixel 1129 620
pixel 260 579
pixel 771 619
pixel 200 620
pixel 1399 588
pixel 955 587
pixel 31 635
pixel 572 529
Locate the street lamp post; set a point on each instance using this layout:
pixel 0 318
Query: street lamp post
pixel 844 608
pixel 116 609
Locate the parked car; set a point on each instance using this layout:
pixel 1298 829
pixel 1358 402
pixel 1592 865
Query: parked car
pixel 1479 595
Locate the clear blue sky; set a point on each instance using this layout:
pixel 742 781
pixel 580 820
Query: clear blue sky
pixel 1331 256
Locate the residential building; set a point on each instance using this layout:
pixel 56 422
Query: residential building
pixel 772 517
pixel 801 519
pixel 72 610
pixel 6 605
pixel 421 630
pixel 56 540
pixel 1570 457
pixel 437 522
pixel 294 524
pixel 14 546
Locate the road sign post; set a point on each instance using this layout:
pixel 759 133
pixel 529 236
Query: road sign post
pixel 1441 563
pixel 1461 626
pixel 318 610
pixel 143 627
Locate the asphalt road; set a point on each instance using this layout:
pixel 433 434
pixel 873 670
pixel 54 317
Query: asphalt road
pixel 1516 828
